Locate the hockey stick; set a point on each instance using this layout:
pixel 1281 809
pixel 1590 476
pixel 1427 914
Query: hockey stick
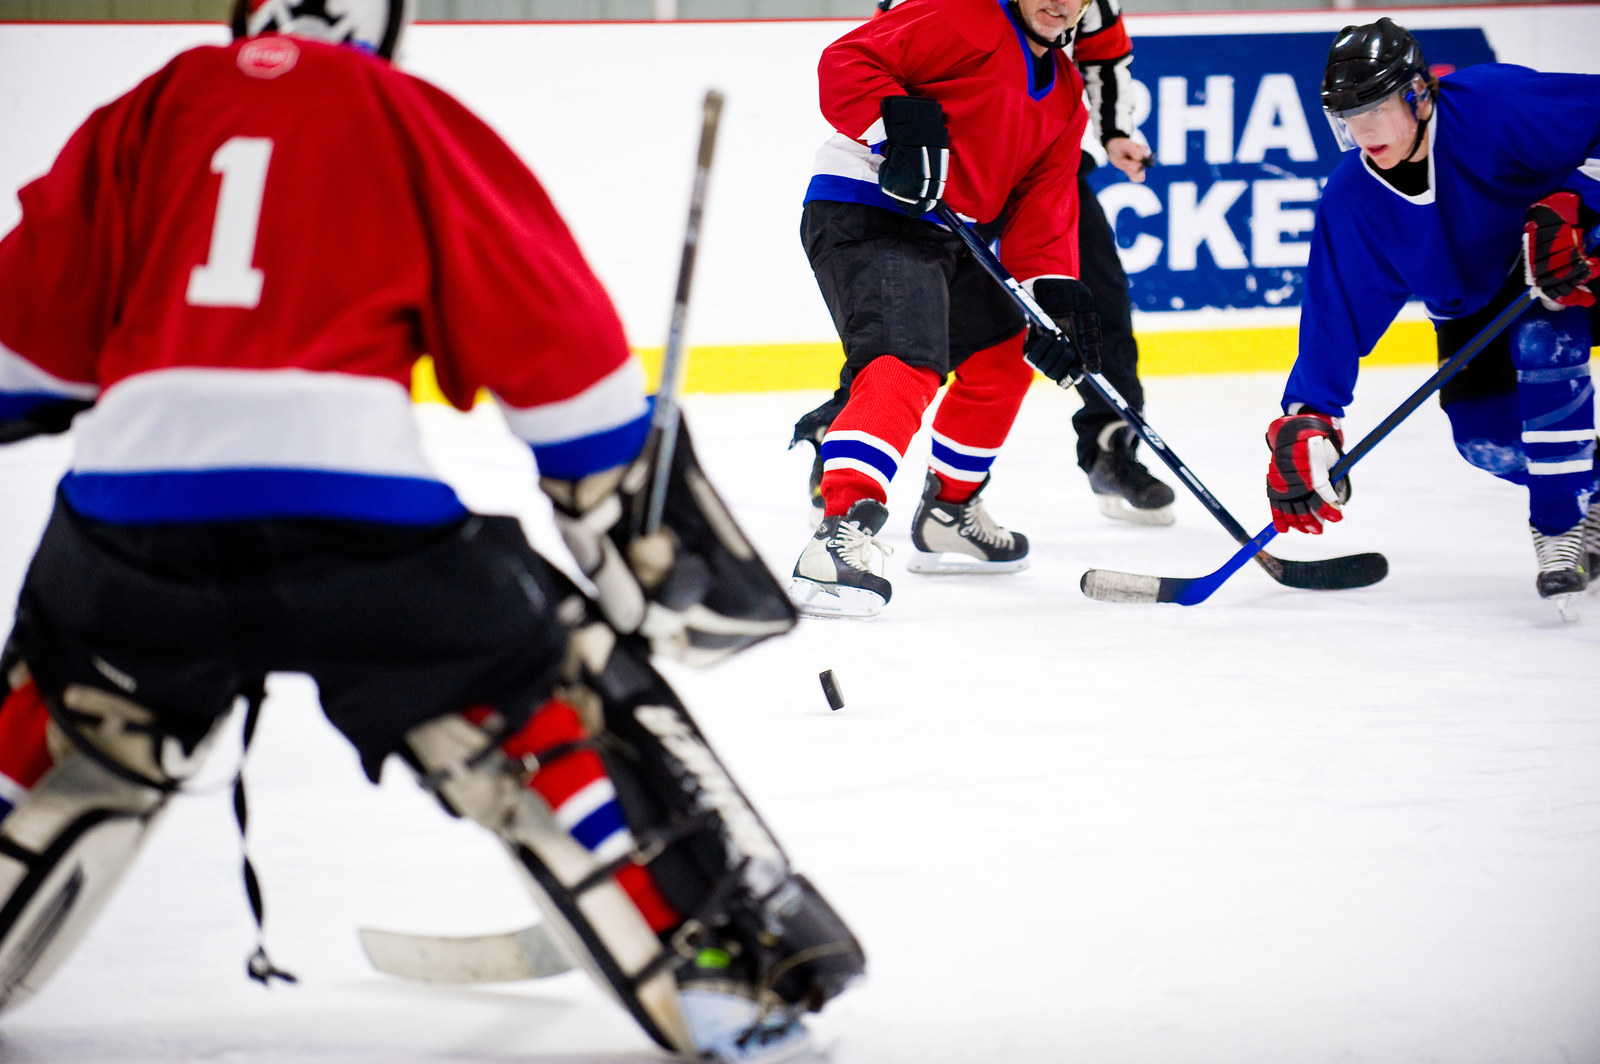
pixel 665 422
pixel 1188 591
pixel 531 953
pixel 1330 574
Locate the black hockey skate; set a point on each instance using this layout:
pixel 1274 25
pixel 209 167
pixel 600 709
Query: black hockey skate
pixel 840 573
pixel 961 537
pixel 1563 568
pixel 810 429
pixel 1122 486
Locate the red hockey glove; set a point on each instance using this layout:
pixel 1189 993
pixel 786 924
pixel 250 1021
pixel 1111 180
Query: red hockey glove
pixel 1304 447
pixel 1552 248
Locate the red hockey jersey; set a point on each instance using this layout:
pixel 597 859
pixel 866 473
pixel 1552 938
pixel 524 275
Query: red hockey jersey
pixel 1014 137
pixel 239 262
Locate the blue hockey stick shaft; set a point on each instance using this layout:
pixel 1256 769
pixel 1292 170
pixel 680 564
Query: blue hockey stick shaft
pixel 1198 589
pixel 1355 571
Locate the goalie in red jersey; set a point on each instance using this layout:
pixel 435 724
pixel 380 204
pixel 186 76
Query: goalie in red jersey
pixel 223 285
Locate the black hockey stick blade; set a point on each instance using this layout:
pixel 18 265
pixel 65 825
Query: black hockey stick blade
pixel 511 956
pixel 1332 574
pixel 1191 591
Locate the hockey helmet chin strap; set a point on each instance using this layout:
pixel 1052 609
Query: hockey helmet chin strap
pixel 1416 142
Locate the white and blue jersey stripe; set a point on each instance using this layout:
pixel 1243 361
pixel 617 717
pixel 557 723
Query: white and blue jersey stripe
pixel 200 444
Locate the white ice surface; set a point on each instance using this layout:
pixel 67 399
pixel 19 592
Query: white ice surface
pixel 1281 827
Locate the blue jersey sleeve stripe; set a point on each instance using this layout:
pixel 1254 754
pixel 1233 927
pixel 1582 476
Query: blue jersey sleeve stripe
pixel 18 405
pixel 572 459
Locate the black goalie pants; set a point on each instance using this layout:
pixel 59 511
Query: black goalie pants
pixel 397 626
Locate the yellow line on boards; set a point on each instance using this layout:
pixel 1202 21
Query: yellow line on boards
pixel 815 366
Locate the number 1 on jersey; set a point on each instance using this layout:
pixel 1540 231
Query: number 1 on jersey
pixel 227 279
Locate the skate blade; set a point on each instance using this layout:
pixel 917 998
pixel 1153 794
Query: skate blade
pixel 954 563
pixel 1570 606
pixel 820 600
pixel 1118 509
pixel 726 1029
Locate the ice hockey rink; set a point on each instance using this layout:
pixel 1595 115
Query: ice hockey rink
pixel 1280 827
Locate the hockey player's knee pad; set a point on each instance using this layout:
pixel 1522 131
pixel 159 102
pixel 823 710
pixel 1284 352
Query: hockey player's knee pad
pixel 1545 339
pixel 1488 434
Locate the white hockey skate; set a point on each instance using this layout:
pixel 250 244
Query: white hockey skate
pixel 961 537
pixel 840 573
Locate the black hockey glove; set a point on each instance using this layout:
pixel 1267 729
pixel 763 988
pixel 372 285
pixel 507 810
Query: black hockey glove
pixel 1066 358
pixel 1304 447
pixel 1552 248
pixel 695 588
pixel 916 153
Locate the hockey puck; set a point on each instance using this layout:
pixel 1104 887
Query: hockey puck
pixel 830 688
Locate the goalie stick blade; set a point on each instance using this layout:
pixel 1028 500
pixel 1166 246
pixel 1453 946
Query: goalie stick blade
pixel 531 953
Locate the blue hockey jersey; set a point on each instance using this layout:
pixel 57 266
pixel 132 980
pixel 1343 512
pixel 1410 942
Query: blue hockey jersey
pixel 1502 138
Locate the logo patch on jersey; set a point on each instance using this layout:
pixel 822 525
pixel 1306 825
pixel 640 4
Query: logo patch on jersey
pixel 268 57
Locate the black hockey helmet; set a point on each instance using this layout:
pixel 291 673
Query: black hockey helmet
pixel 371 25
pixel 1368 64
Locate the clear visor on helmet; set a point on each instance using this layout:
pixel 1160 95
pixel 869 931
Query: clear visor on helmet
pixel 1379 114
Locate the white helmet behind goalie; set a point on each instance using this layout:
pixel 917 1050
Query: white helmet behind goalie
pixel 372 25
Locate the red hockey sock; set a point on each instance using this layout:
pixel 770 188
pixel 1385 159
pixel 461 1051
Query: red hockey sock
pixel 865 443
pixel 24 751
pixel 574 783
pixel 976 417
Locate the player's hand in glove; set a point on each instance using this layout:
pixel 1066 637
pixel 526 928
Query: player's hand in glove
pixel 916 153
pixel 1304 447
pixel 1557 269
pixel 694 588
pixel 1065 359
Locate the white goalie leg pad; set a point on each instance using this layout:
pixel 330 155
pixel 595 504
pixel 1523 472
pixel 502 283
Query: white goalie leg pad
pixel 65 848
pixel 596 922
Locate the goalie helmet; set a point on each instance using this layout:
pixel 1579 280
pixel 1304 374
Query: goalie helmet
pixel 1367 65
pixel 372 25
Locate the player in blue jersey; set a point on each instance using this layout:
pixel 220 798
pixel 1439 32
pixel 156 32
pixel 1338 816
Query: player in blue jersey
pixel 1466 192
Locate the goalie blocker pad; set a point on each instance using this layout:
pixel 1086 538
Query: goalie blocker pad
pixel 719 590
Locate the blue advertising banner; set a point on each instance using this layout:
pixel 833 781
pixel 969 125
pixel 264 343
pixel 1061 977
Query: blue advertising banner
pixel 1242 149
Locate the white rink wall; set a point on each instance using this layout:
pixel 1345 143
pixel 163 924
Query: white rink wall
pixel 607 114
